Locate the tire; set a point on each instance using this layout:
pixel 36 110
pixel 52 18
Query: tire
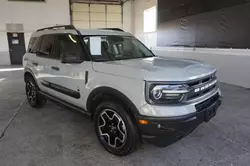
pixel 115 129
pixel 34 98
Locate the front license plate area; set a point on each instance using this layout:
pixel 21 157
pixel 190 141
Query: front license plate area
pixel 211 112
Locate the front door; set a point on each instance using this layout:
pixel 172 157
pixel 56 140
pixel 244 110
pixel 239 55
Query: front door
pixel 16 47
pixel 68 79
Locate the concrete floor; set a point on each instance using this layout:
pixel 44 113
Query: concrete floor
pixel 56 136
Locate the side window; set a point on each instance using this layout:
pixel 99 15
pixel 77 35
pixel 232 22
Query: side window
pixel 55 49
pixel 46 45
pixel 69 46
pixel 33 44
pixel 98 47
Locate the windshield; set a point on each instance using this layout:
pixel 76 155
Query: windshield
pixel 109 48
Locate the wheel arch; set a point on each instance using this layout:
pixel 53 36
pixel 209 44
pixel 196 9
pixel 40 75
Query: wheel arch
pixel 107 93
pixel 27 73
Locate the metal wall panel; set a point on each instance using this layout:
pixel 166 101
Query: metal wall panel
pixel 97 8
pixel 98 24
pixel 114 24
pixel 96 16
pixel 114 17
pixel 114 9
pixel 80 16
pixel 81 24
pixel 80 7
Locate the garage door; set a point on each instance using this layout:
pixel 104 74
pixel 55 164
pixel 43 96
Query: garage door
pixel 92 16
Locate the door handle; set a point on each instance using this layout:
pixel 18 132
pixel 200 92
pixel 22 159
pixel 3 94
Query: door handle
pixel 55 68
pixel 35 63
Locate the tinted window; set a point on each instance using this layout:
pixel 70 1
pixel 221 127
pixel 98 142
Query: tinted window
pixel 106 48
pixel 46 45
pixel 33 45
pixel 69 44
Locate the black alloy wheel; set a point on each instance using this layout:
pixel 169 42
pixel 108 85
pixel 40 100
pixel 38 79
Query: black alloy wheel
pixel 115 128
pixel 35 99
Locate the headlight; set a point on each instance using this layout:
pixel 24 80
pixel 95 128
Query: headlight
pixel 165 94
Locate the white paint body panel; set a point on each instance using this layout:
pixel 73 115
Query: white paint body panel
pixel 126 76
pixel 156 69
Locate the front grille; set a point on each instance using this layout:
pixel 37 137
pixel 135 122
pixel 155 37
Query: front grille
pixel 205 104
pixel 199 85
pixel 201 81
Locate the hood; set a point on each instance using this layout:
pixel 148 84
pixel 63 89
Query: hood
pixel 156 69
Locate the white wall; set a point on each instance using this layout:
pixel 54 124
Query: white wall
pixel 32 15
pixel 128 15
pixel 139 6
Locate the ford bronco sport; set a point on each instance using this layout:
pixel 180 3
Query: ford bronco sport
pixel 130 93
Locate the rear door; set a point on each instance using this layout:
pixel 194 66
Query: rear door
pixel 67 80
pixel 30 59
pixel 44 61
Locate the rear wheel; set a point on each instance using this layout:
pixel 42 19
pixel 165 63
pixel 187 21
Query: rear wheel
pixel 35 99
pixel 115 129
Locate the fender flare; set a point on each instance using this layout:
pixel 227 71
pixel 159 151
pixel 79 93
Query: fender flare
pixel 28 71
pixel 115 94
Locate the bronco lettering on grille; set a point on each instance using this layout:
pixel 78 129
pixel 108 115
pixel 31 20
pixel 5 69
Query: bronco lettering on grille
pixel 205 87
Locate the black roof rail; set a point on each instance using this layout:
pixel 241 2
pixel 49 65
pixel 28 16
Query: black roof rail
pixel 113 29
pixel 57 27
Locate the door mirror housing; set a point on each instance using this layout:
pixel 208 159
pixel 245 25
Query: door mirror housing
pixel 69 57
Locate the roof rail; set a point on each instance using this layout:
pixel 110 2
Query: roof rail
pixel 113 29
pixel 57 27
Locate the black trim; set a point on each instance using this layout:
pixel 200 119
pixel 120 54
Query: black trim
pixel 180 82
pixel 112 29
pixel 35 63
pixel 57 27
pixel 61 89
pixel 106 94
pixel 167 130
pixel 86 77
pixel 88 56
pixel 55 68
pixel 64 103
pixel 101 92
pixel 29 71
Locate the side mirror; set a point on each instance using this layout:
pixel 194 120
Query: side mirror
pixel 69 57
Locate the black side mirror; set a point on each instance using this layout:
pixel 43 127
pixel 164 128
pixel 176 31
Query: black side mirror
pixel 69 57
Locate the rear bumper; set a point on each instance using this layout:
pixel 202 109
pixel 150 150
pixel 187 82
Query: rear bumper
pixel 165 131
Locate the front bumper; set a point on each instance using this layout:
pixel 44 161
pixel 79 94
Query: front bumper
pixel 163 131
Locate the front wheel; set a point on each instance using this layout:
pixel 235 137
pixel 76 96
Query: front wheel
pixel 115 129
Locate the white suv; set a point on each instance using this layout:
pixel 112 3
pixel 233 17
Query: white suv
pixel 130 93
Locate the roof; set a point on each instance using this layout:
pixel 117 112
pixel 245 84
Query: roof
pixel 103 32
pixel 82 31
